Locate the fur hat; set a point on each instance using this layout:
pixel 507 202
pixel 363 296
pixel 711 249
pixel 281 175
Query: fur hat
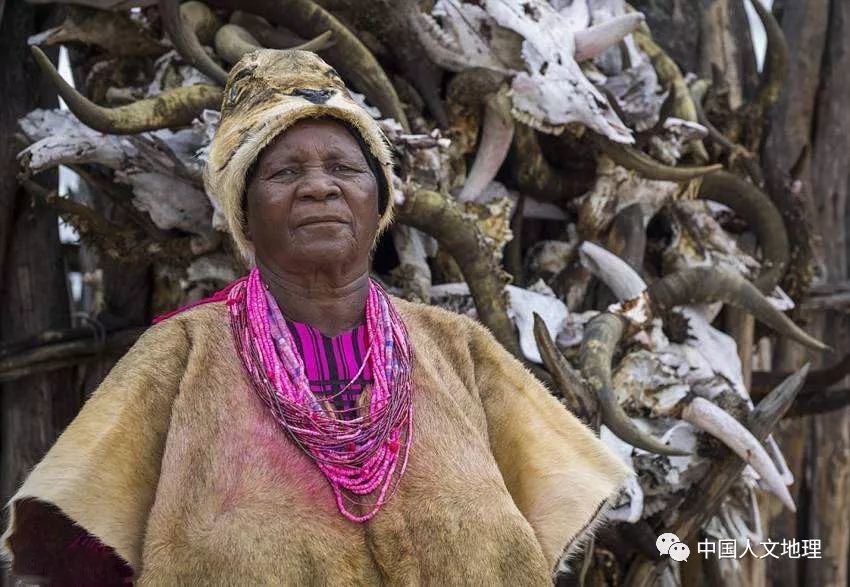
pixel 268 91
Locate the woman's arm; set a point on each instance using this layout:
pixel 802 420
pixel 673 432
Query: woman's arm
pixel 100 476
pixel 559 474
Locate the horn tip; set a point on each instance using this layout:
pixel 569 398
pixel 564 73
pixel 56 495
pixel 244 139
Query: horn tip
pixel 791 507
pixel 43 61
pixel 37 53
pixel 819 346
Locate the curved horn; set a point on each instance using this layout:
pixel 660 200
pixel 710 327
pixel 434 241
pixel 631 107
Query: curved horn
pixel 707 495
pixel 201 20
pixel 702 285
pixel 627 238
pixel 623 281
pixel 186 41
pixel 761 214
pixel 631 158
pixel 176 107
pixel 348 54
pixel 569 382
pixel 444 219
pixel 712 419
pixel 322 41
pixel 232 42
pixel 601 337
pixel 591 42
pixel 671 76
pixel 265 33
pixel 536 177
pixel 496 135
pixel 776 58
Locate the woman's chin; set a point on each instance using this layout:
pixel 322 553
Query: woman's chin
pixel 327 251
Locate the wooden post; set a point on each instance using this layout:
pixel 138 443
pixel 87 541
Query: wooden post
pixel 33 291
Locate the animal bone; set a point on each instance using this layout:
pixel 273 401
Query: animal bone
pixel 708 417
pixel 617 275
pixel 671 76
pixel 186 41
pixel 413 247
pixel 601 336
pixel 703 285
pixel 443 219
pixel 761 214
pixel 637 93
pixel 776 61
pixel 699 240
pixel 533 45
pixel 172 108
pixel 637 161
pixel 591 42
pixel 201 20
pixel 603 333
pixel 265 33
pixel 232 42
pixel 535 176
pixel 669 139
pixel 460 44
pixel 161 184
pixel 116 33
pixel 496 136
pixel 524 304
pixel 572 387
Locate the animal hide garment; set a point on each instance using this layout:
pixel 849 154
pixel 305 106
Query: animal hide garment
pixel 177 465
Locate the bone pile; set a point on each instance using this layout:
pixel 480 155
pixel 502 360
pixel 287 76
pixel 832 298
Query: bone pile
pixel 555 179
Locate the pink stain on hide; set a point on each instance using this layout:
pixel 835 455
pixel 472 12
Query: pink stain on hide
pixel 289 468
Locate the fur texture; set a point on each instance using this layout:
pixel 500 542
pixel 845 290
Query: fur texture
pixel 268 91
pixel 176 464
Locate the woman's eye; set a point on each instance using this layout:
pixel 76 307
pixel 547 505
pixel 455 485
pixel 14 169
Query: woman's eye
pixel 286 172
pixel 345 168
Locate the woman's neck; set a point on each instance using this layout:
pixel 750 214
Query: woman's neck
pixel 331 303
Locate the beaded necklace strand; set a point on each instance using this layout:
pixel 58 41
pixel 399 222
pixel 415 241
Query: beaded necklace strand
pixel 356 455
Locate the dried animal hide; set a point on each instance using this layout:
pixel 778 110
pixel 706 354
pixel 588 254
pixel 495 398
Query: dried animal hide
pixel 198 488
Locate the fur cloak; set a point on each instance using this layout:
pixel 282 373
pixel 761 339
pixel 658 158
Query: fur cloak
pixel 177 465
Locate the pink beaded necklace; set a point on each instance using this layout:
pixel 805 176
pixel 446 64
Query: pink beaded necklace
pixel 357 455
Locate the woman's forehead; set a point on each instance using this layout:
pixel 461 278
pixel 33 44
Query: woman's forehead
pixel 325 136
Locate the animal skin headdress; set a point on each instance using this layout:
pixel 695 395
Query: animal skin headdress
pixel 268 91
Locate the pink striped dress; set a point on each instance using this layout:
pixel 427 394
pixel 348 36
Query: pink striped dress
pixel 332 363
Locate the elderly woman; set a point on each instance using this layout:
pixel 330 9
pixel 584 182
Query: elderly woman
pixel 303 426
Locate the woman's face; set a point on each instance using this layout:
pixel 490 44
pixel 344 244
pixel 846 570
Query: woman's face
pixel 312 200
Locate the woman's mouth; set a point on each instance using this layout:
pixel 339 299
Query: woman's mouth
pixel 320 220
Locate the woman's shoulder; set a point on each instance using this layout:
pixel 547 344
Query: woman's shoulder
pixel 210 317
pixel 435 319
pixel 178 333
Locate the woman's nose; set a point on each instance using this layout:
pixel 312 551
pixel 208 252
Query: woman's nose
pixel 317 185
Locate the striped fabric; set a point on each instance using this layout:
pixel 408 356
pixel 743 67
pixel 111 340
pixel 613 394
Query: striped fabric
pixel 330 362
